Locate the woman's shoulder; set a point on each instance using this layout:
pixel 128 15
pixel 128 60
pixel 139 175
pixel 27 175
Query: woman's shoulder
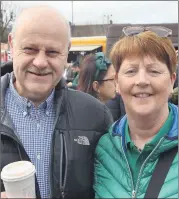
pixel 114 130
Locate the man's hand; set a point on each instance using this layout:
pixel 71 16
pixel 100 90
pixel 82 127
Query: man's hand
pixel 3 195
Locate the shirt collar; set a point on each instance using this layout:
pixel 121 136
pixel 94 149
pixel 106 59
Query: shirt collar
pixel 162 132
pixel 24 103
pixel 129 142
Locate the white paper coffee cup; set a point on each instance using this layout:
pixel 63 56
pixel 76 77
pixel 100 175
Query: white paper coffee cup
pixel 19 179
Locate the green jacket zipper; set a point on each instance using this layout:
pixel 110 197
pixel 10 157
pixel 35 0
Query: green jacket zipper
pixel 142 167
pixel 134 191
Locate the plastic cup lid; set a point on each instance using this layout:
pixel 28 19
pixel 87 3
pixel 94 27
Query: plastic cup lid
pixel 17 170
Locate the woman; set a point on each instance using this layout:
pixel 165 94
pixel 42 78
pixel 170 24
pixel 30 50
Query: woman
pixel 97 77
pixel 116 107
pixel 126 157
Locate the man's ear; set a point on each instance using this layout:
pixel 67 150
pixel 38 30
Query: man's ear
pixel 10 41
pixel 95 86
pixel 69 46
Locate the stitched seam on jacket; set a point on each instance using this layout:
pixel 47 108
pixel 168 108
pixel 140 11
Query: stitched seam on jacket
pixel 107 189
pixel 109 171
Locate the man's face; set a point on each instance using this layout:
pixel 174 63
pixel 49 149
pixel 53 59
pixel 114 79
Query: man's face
pixel 39 53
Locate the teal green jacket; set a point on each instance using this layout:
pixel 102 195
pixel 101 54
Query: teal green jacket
pixel 75 81
pixel 113 177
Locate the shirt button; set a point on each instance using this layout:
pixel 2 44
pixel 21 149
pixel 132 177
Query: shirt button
pixel 24 113
pixel 38 156
pixel 29 104
pixel 38 126
pixel 47 113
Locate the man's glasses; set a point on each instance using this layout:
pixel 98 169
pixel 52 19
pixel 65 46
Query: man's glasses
pixel 159 30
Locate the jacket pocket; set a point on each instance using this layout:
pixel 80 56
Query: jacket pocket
pixel 80 158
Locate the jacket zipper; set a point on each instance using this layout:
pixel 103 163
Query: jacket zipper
pixel 61 159
pixel 63 183
pixel 63 149
pixel 61 164
pixel 138 179
pixel 50 163
pixel 133 191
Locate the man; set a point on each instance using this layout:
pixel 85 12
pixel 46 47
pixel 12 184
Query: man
pixel 6 68
pixel 43 121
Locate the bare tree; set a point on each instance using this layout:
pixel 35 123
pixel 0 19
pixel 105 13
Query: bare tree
pixel 8 14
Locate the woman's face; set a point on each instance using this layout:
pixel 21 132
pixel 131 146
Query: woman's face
pixel 107 89
pixel 145 85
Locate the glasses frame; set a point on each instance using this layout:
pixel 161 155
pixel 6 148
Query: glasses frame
pixel 105 80
pixel 166 31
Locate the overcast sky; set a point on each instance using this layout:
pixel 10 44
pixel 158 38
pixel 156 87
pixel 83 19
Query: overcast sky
pixel 96 12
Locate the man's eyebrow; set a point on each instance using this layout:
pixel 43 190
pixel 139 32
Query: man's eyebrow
pixel 28 44
pixel 56 48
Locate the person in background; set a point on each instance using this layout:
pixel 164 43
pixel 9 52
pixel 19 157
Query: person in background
pixel 138 157
pixel 177 67
pixel 174 97
pixel 76 70
pixel 97 77
pixel 68 73
pixel 116 107
pixel 43 121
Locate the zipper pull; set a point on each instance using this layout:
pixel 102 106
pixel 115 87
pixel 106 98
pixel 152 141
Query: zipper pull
pixel 62 193
pixel 133 194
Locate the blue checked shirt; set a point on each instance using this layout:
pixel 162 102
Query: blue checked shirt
pixel 34 127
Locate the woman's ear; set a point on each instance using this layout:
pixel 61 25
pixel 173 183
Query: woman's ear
pixel 117 84
pixel 173 79
pixel 96 86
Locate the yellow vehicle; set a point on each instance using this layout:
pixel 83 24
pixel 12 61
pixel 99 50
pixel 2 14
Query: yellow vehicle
pixel 86 45
pixel 89 43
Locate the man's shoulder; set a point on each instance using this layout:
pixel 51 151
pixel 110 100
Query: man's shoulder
pixel 76 96
pixel 5 80
pixel 82 103
pixel 6 68
pixel 87 112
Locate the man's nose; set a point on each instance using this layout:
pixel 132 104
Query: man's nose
pixel 40 60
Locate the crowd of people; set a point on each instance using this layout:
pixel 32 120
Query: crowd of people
pixel 101 127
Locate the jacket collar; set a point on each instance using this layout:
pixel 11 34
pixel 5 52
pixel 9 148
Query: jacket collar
pixel 119 126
